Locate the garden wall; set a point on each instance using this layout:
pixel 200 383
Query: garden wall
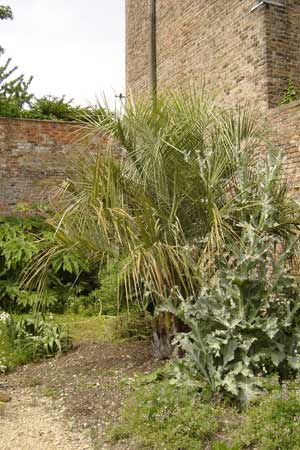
pixel 284 124
pixel 242 54
pixel 35 154
pixel 34 157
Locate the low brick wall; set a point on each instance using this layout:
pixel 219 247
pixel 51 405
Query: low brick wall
pixel 284 125
pixel 34 156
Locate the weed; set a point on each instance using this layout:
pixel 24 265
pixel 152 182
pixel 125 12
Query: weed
pixel 50 392
pixel 35 381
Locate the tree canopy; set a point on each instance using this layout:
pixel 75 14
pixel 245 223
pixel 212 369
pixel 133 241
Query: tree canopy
pixel 6 12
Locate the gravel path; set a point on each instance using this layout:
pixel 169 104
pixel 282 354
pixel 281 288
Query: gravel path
pixel 29 422
pixel 70 402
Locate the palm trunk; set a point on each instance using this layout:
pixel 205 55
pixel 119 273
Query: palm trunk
pixel 165 327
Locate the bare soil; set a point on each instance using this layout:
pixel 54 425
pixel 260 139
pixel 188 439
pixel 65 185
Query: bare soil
pixel 71 401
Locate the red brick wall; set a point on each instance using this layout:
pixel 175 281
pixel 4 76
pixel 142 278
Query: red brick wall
pixel 242 55
pixel 218 41
pixel 284 125
pixel 34 157
pixel 282 42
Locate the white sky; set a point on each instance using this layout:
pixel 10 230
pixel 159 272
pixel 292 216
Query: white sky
pixel 71 47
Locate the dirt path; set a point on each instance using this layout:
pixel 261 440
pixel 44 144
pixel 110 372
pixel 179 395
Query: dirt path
pixel 70 402
pixel 29 422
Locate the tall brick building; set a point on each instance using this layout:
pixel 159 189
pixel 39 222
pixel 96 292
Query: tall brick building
pixel 244 49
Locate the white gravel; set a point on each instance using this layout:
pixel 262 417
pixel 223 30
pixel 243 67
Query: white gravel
pixel 30 422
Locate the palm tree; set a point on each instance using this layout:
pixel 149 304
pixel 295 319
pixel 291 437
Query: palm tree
pixel 173 196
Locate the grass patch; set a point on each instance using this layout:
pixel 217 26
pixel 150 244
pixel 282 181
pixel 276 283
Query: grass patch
pixel 161 416
pixel 106 328
pixel 273 424
pixel 81 328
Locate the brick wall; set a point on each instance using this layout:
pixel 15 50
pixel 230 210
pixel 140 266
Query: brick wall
pixel 34 157
pixel 282 30
pixel 242 55
pixel 284 125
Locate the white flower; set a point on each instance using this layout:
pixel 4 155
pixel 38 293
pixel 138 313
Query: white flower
pixel 4 316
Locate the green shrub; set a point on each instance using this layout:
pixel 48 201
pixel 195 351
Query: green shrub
pixel 18 245
pixel 37 337
pixel 87 305
pixel 110 285
pixel 161 416
pixel 21 240
pixel 50 107
pixel 14 90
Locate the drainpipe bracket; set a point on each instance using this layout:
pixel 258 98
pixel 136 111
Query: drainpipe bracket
pixel 267 2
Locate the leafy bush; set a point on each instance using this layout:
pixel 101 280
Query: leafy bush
pixel 245 321
pixel 50 107
pixel 14 94
pixel 161 416
pixel 22 239
pixel 89 305
pixel 6 12
pixel 135 324
pixel 187 180
pixel 37 337
pixel 18 245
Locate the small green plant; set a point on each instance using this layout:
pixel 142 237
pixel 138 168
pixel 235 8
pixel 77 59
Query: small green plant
pixel 37 337
pixel 50 392
pixel 86 305
pixel 35 381
pixel 292 92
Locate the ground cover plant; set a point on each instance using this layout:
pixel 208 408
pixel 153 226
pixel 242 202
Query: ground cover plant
pixel 160 415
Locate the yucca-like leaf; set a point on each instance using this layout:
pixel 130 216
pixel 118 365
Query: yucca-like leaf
pixel 185 177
